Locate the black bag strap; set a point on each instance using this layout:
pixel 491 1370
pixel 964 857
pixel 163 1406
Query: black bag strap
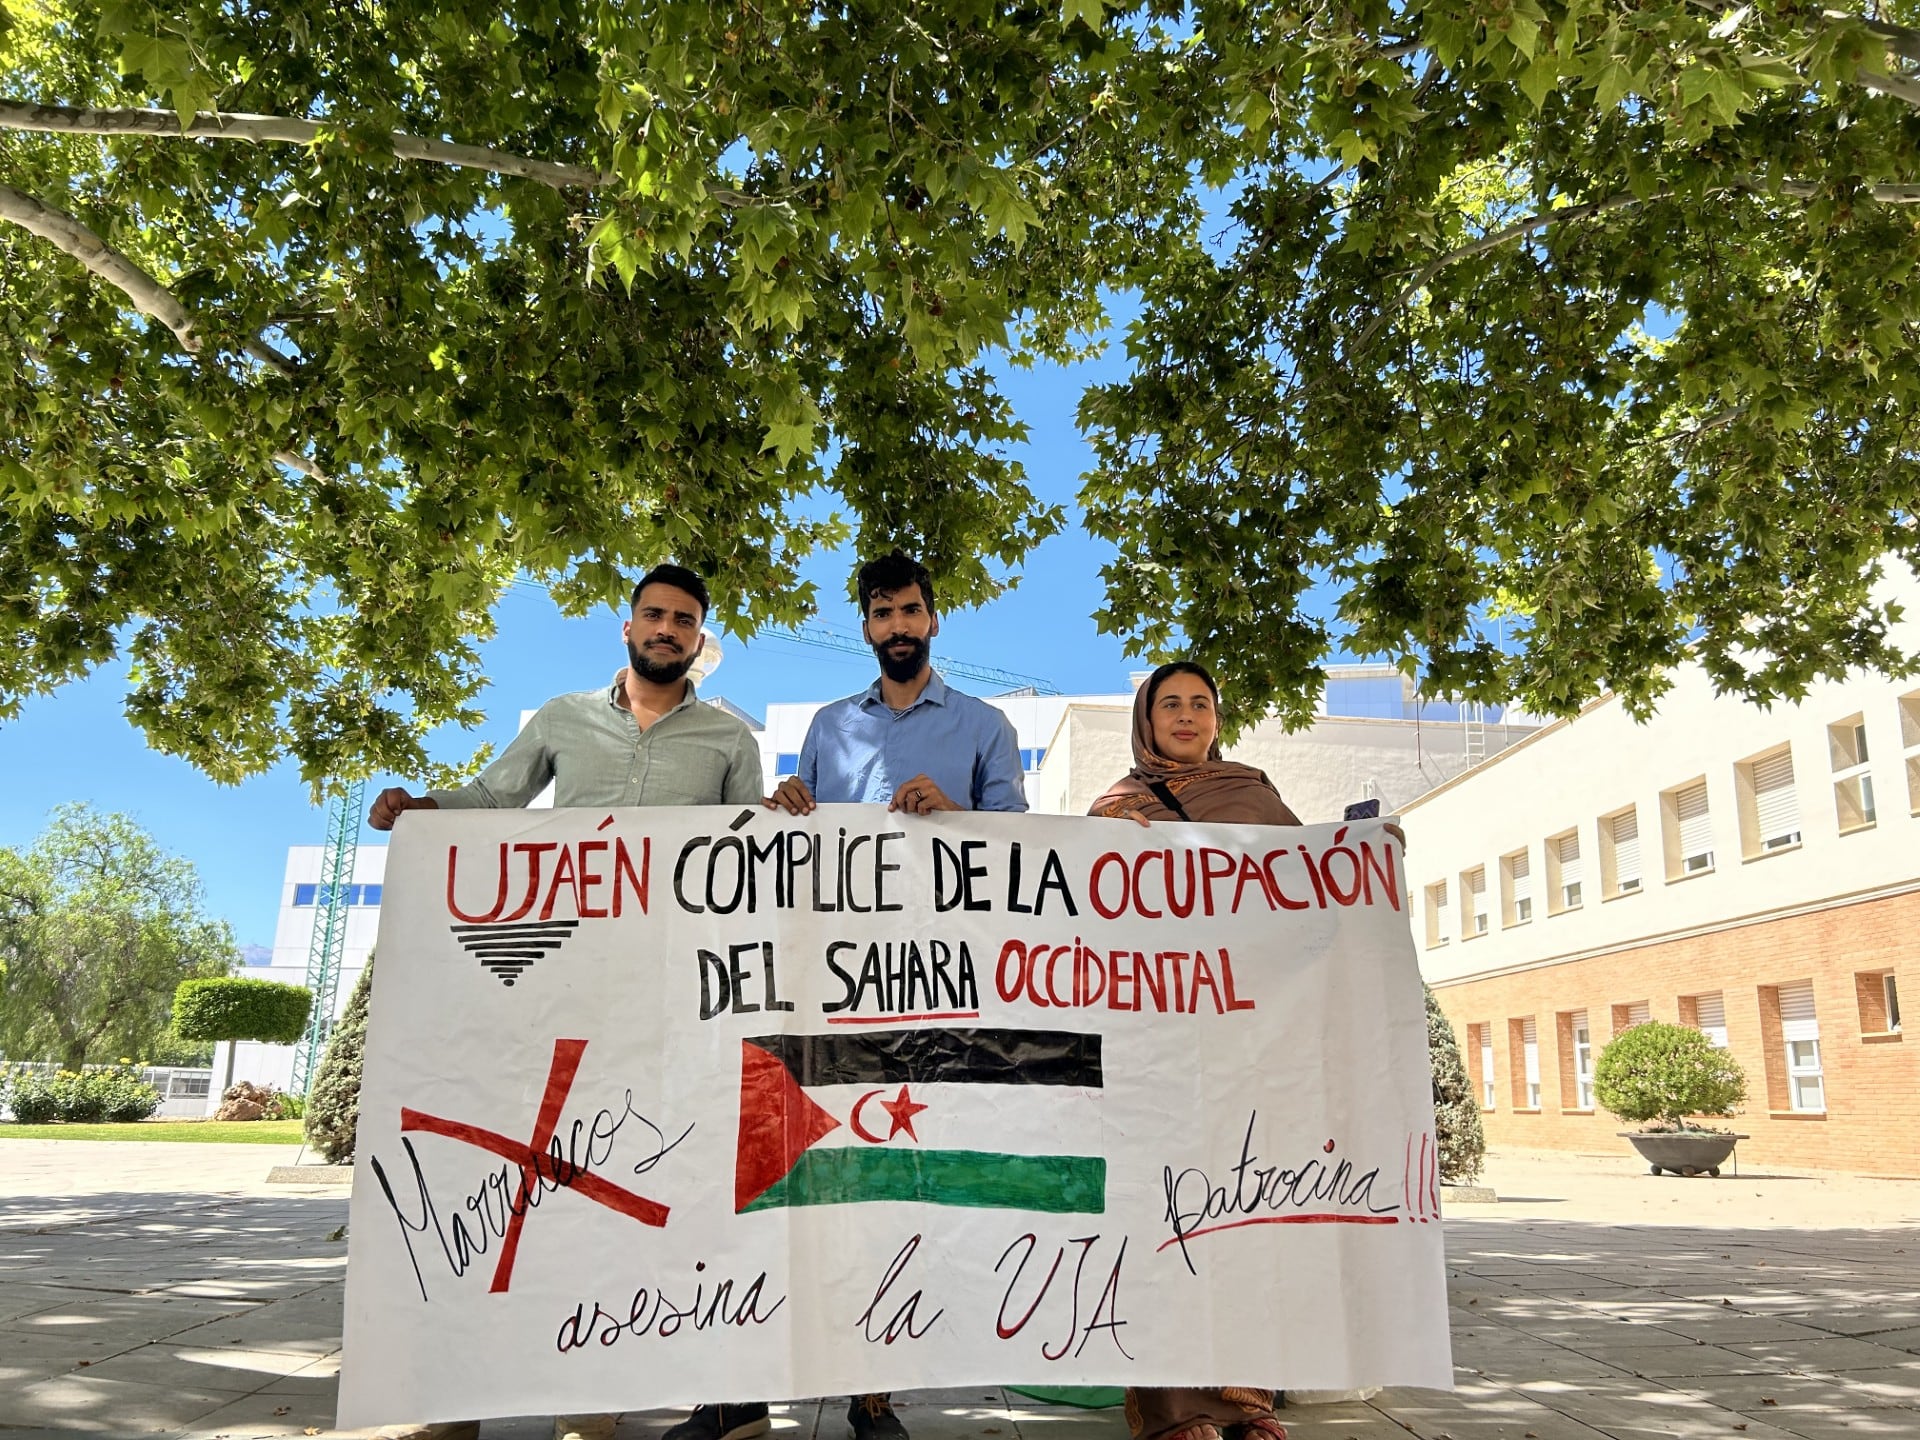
pixel 1168 798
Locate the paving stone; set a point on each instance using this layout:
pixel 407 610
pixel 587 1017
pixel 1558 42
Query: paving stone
pixel 1824 1355
pixel 1660 1361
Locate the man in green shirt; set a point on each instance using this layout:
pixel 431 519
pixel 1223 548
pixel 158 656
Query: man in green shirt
pixel 645 740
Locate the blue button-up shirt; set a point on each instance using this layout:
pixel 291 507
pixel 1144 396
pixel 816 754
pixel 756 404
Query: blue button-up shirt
pixel 859 751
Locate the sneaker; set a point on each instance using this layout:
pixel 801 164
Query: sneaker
pixel 584 1427
pixel 722 1422
pixel 871 1417
pixel 438 1430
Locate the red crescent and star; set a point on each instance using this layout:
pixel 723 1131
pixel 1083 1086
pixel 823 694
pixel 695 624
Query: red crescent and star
pixel 902 1108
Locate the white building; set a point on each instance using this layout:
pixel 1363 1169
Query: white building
pixel 1753 873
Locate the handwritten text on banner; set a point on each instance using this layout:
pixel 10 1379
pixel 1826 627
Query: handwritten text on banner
pixel 681 1105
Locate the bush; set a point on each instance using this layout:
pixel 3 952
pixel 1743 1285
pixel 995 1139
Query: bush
pixel 235 1009
pixel 286 1106
pixel 1664 1073
pixel 1456 1110
pixel 31 1098
pixel 333 1105
pixel 81 1099
pixel 126 1096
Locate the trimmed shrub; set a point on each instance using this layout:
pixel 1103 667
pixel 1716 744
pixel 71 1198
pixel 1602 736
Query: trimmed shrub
pixel 31 1098
pixel 1662 1073
pixel 333 1105
pixel 1456 1111
pixel 236 1009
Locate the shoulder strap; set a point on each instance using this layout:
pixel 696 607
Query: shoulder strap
pixel 1168 798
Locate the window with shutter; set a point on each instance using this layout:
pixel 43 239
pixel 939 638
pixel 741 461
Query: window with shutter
pixel 1568 847
pixel 1776 804
pixel 1530 1041
pixel 1696 829
pixel 1520 887
pixel 1639 1013
pixel 1436 914
pixel 1487 1092
pixel 1710 1014
pixel 1473 901
pixel 1800 1033
pixel 1625 831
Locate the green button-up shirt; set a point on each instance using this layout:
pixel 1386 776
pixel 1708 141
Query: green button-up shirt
pixel 595 752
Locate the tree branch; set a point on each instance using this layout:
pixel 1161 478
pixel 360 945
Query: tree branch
pixel 1899 87
pixel 65 233
pixel 149 296
pixel 1494 241
pixel 207 125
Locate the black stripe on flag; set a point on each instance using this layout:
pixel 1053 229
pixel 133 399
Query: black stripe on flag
pixel 926 1057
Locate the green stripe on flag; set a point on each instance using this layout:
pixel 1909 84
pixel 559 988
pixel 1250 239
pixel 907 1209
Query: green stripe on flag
pixel 1057 1184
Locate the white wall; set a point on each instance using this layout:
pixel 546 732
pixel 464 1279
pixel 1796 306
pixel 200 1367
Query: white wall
pixel 1575 772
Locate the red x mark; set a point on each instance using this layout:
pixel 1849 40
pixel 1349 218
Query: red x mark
pixel 536 1162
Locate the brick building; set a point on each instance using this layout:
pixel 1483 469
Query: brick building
pixel 1753 873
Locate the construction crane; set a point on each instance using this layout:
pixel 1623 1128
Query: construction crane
pixel 813 632
pixel 329 943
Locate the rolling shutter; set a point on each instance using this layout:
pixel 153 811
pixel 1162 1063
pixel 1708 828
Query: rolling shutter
pixel 1696 825
pixel 1520 866
pixel 1530 1043
pixel 1639 1013
pixel 1710 1014
pixel 1797 1018
pixel 1626 848
pixel 1776 804
pixel 1569 859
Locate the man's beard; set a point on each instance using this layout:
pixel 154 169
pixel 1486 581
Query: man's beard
pixel 901 669
pixel 656 671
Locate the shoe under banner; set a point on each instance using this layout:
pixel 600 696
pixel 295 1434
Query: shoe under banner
pixel 673 1106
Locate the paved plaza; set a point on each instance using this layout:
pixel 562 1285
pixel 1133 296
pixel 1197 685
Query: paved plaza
pixel 166 1289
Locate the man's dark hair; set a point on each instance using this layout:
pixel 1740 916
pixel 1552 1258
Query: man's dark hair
pixel 892 572
pixel 680 578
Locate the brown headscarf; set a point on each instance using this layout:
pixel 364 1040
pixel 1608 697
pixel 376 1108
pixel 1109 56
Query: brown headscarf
pixel 1213 789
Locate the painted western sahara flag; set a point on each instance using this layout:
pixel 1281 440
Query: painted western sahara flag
pixel 942 1117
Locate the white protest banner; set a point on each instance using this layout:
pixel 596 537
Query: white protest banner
pixel 680 1105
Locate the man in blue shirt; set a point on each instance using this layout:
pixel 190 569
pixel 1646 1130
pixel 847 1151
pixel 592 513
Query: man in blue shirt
pixel 907 741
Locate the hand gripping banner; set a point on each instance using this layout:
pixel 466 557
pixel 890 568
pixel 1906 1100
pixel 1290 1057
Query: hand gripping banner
pixel 671 1106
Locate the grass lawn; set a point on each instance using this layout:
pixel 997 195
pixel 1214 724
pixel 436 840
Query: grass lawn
pixel 222 1132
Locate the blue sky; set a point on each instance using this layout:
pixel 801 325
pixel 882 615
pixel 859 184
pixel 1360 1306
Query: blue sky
pixel 77 744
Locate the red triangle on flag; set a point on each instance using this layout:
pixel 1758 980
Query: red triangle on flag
pixel 778 1122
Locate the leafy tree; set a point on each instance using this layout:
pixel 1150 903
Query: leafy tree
pixel 333 1105
pixel 336 320
pixel 1456 1109
pixel 1666 1073
pixel 231 1008
pixel 98 925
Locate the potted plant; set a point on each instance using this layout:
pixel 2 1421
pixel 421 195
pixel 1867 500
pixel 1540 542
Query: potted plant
pixel 1661 1076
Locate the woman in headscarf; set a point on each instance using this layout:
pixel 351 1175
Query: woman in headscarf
pixel 1177 770
pixel 1178 775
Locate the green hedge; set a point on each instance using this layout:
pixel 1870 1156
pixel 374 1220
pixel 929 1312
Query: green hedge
pixel 233 1009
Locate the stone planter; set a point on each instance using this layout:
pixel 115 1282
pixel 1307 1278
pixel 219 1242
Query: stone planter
pixel 1684 1152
